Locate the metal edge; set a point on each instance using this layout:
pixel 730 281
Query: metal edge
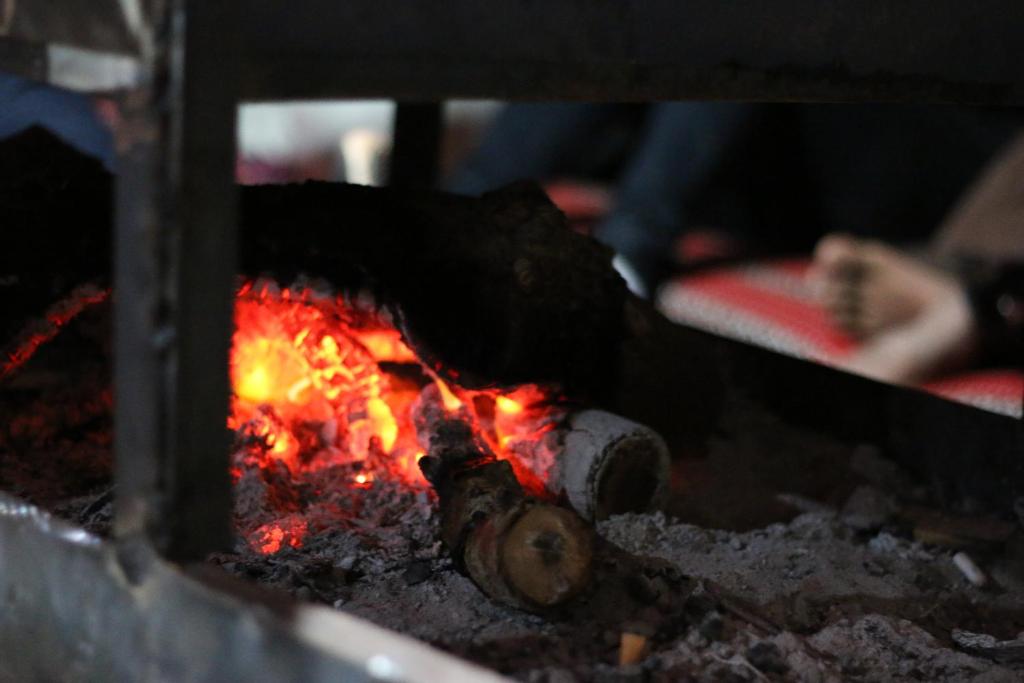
pixel 78 607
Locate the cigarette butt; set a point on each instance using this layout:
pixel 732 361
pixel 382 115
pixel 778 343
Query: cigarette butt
pixel 632 648
pixel 969 569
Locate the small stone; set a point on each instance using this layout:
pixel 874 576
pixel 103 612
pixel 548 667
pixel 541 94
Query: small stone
pixel 884 543
pixel 347 562
pixel 867 508
pixel 766 656
pixel 642 589
pixel 695 640
pixel 712 626
pixel 875 568
pixel 417 571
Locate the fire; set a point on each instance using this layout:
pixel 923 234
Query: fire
pixel 507 405
pixel 319 384
pixel 270 538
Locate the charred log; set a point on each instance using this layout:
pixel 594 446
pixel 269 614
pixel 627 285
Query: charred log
pixel 602 463
pixel 520 551
pixel 496 287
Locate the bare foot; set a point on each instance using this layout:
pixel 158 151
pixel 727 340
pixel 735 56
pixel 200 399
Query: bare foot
pixel 915 319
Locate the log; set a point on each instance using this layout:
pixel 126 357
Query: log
pixel 522 552
pixel 489 290
pixel 610 465
pixel 496 289
pixel 604 464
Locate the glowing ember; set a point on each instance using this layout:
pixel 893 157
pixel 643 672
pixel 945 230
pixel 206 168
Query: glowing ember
pixel 23 348
pixel 318 384
pixel 270 538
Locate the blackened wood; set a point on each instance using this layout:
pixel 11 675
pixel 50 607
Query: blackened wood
pixel 497 287
pixel 520 551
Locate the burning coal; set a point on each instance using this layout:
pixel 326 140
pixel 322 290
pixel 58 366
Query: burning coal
pixel 320 383
pixel 330 406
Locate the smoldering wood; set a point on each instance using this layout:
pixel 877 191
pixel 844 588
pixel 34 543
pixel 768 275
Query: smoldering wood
pixel 16 351
pixel 603 464
pixel 496 287
pixel 520 551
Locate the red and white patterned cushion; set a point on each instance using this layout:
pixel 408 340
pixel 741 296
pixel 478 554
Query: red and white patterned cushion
pixel 771 304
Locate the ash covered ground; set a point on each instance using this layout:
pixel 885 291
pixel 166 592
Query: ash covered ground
pixel 813 599
pixel 863 590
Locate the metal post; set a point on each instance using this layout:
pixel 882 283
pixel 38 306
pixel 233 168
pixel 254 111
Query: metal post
pixel 416 143
pixel 174 278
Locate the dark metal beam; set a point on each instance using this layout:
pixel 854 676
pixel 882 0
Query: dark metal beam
pixel 416 142
pixel 97 24
pixel 176 256
pixel 913 50
pixel 843 50
pixel 22 58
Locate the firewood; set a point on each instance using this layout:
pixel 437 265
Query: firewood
pixel 496 288
pixel 520 551
pixel 604 463
pixel 984 645
pixel 610 465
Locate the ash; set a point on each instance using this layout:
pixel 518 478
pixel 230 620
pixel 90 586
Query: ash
pixel 813 599
pixel 831 595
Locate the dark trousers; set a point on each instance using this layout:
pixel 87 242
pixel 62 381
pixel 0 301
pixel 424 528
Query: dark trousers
pixel 780 176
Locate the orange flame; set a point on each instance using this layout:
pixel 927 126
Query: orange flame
pixel 270 538
pixel 310 393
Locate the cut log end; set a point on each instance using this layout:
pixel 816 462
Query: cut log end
pixel 611 465
pixel 519 551
pixel 546 556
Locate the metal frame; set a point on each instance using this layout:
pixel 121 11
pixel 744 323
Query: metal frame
pixel 912 50
pixel 194 60
pixel 176 231
pixel 174 274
